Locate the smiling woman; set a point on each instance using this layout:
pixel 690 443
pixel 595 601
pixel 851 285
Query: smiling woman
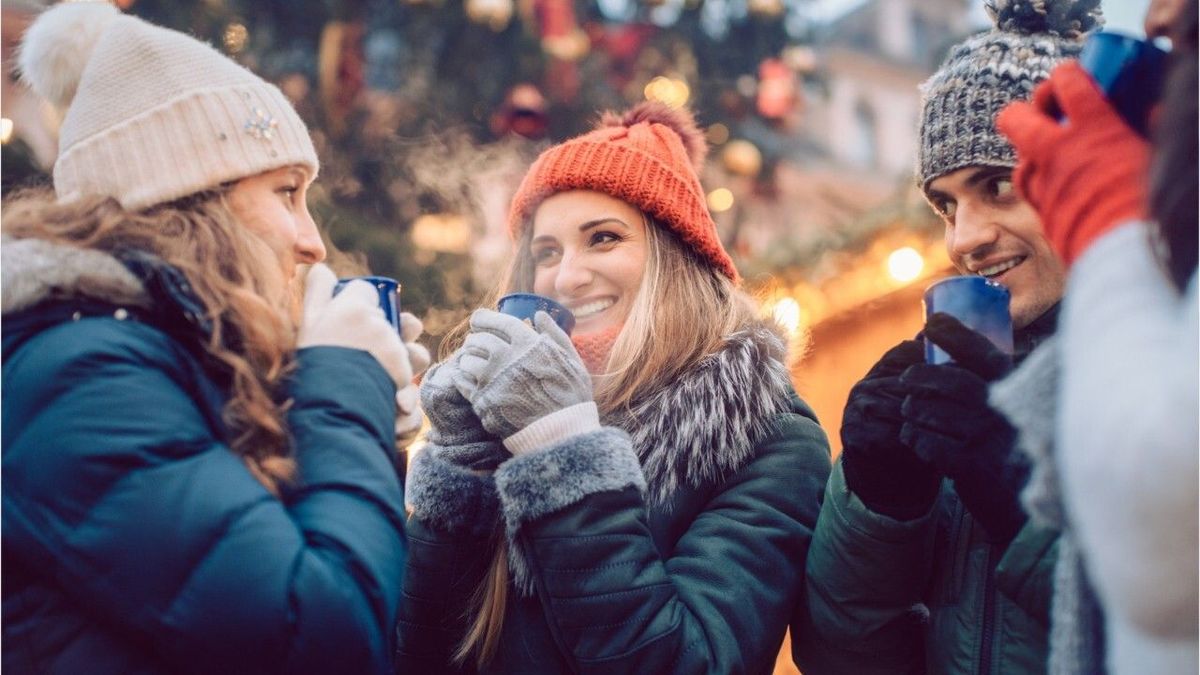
pixel 641 494
pixel 589 252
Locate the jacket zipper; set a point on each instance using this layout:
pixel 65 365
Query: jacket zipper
pixel 985 642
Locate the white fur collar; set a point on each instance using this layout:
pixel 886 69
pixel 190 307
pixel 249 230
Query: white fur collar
pixel 34 270
pixel 705 425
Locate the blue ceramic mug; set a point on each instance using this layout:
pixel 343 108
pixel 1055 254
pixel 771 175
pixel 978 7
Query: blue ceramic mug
pixel 979 303
pixel 525 305
pixel 389 295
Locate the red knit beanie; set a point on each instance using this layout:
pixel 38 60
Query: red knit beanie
pixel 650 158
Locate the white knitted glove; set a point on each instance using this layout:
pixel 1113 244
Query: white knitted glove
pixel 408 403
pixel 354 320
pixel 408 415
pixel 411 329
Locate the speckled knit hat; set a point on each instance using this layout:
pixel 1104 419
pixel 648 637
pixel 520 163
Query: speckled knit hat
pixel 151 114
pixel 649 157
pixel 988 71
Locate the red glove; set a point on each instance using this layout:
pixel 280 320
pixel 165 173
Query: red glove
pixel 1084 175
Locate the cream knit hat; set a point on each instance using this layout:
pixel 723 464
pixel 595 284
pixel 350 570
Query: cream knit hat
pixel 153 115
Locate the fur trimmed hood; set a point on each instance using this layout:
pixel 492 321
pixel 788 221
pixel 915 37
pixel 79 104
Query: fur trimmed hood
pixel 704 426
pixel 34 270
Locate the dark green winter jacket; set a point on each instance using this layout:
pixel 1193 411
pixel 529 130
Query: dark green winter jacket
pixel 930 595
pixel 876 585
pixel 674 544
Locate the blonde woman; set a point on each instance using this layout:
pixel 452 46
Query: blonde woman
pixel 637 498
pixel 183 489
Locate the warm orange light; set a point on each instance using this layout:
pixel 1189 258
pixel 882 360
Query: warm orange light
pixel 445 232
pixel 495 14
pixel 742 158
pixel 717 134
pixel 905 264
pixel 236 36
pixel 720 200
pixel 672 92
pixel 787 313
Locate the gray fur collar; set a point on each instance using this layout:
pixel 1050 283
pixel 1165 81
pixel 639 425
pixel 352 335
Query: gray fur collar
pixel 704 426
pixel 1028 397
pixel 34 270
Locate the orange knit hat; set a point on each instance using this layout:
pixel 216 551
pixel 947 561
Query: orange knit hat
pixel 650 158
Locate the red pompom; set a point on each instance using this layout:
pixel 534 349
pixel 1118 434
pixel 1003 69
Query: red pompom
pixel 679 120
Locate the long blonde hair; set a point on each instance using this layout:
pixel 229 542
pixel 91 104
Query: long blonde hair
pixel 684 310
pixel 231 271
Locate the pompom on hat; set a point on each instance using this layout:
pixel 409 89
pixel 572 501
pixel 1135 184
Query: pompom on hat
pixel 649 157
pixel 152 115
pixel 988 71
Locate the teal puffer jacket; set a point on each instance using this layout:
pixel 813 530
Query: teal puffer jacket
pixel 673 545
pixel 134 540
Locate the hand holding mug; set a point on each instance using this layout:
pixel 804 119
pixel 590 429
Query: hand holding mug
pixel 408 408
pixel 515 374
pixel 949 423
pixel 351 319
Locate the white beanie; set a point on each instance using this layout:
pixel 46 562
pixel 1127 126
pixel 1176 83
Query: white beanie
pixel 152 114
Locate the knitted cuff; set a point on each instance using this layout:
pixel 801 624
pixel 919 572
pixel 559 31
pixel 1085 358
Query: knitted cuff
pixel 554 428
pixel 444 491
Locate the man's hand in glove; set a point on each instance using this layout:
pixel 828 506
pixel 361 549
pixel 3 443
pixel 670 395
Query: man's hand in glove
pixel 882 471
pixel 948 422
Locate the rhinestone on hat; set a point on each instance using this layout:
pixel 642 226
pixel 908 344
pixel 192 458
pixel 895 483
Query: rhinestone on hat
pixel 261 125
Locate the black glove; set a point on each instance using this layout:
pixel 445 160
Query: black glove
pixel 948 422
pixel 882 471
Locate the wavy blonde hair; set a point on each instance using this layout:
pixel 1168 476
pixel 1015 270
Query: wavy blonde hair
pixel 684 310
pixel 247 302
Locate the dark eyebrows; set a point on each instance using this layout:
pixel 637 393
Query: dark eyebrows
pixel 985 173
pixel 591 224
pixel 585 226
pixel 979 175
pixel 601 221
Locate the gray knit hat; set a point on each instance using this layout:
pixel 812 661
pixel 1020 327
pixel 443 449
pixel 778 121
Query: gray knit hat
pixel 988 71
